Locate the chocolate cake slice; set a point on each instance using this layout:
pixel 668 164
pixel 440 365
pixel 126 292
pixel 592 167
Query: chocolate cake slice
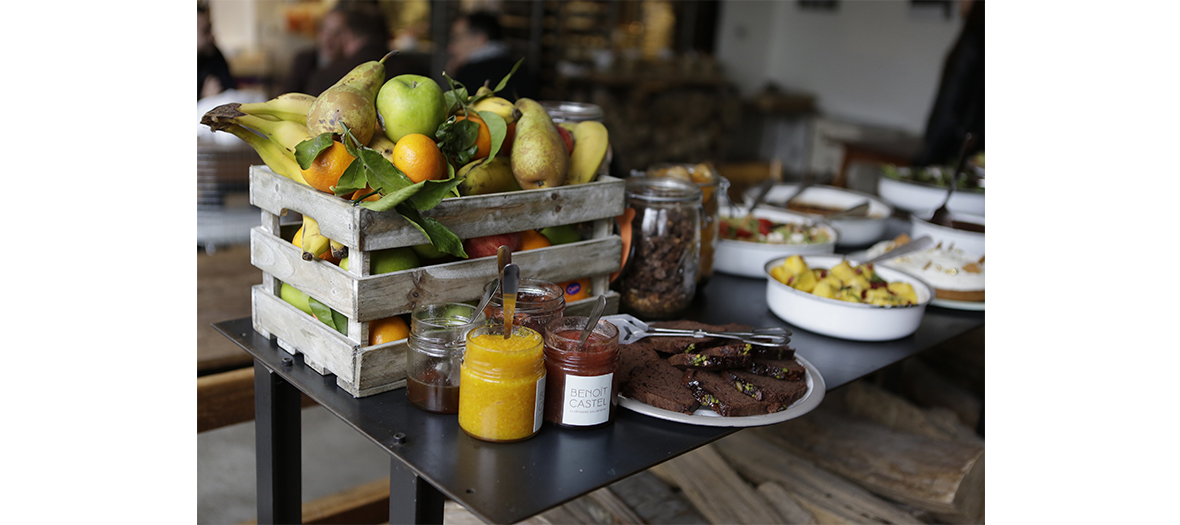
pixel 633 356
pixel 765 388
pixel 706 361
pixel 773 352
pixel 719 394
pixel 659 384
pixel 786 369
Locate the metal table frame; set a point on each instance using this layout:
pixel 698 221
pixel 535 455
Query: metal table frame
pixel 432 459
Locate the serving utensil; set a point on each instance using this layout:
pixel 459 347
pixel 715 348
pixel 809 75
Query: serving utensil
pixel 921 243
pixel 942 216
pixel 509 284
pixel 860 210
pixel 764 188
pixel 632 329
pixel 592 320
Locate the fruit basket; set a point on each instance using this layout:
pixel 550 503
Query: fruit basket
pixel 364 370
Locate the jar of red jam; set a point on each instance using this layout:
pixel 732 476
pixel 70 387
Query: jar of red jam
pixel 537 303
pixel 438 337
pixel 581 379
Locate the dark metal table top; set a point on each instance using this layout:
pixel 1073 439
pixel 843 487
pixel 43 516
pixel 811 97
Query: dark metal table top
pixel 509 482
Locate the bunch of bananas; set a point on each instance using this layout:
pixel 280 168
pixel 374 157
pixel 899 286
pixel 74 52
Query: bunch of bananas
pixel 274 128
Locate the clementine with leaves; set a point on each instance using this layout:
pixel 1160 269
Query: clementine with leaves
pixel 419 158
pixel 483 140
pixel 328 166
pixel 388 329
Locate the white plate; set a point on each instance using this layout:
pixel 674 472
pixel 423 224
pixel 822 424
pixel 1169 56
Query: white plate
pixel 974 306
pixel 707 417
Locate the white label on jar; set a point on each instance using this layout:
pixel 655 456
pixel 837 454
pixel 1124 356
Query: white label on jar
pixel 539 408
pixel 586 400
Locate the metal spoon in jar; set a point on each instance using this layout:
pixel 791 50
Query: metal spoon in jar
pixel 592 321
pixel 509 284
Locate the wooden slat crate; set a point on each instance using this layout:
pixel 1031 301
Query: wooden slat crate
pixel 365 370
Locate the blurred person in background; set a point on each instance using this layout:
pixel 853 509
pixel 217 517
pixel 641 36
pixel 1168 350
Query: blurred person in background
pixel 213 75
pixel 351 34
pixel 478 54
pixel 958 106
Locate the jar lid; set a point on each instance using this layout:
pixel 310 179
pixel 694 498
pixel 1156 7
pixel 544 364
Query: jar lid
pixel 561 111
pixel 662 189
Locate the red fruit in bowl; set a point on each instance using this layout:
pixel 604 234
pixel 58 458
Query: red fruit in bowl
pixel 567 137
pixel 488 245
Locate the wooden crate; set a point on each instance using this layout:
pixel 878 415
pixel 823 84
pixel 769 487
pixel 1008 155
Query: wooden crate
pixel 365 370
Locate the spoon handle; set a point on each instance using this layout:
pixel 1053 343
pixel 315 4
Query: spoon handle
pixel 595 314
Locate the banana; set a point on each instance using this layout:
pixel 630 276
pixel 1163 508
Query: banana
pixel 274 156
pixel 288 106
pixel 591 140
pixel 381 144
pixel 499 106
pixel 339 251
pixel 313 242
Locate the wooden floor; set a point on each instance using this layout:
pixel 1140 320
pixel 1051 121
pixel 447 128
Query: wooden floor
pixel 899 447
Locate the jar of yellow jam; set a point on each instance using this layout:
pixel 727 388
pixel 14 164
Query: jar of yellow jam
pixel 503 394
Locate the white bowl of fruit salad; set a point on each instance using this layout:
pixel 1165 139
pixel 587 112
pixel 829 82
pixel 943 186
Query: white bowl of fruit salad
pixel 746 242
pixel 830 295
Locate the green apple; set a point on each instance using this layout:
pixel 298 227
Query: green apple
pixel 391 260
pixel 428 251
pixel 561 234
pixel 410 104
pixel 296 298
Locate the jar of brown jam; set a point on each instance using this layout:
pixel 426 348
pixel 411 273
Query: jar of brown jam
pixel 438 337
pixel 581 379
pixel 537 303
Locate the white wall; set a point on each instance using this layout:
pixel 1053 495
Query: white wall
pixel 874 62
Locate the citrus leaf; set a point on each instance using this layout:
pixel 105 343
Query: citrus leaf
pixel 433 193
pixel 381 174
pixel 308 150
pixel 498 130
pixel 352 179
pixel 327 315
pixel 340 321
pixel 390 200
pixel 504 81
pixel 440 237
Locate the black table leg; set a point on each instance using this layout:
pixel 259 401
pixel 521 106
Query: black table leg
pixel 277 445
pixel 412 499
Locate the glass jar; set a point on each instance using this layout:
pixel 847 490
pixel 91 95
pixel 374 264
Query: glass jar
pixel 710 182
pixel 537 303
pixel 438 337
pixel 561 111
pixel 659 278
pixel 581 379
pixel 503 394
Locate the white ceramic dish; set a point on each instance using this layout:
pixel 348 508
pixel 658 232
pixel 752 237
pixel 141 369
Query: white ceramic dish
pixel 973 306
pixel 918 197
pixel 855 321
pixel 969 242
pixel 707 417
pixel 854 231
pixel 746 258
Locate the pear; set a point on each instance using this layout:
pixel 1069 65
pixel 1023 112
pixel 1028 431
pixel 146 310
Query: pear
pixel 351 101
pixel 493 177
pixel 539 156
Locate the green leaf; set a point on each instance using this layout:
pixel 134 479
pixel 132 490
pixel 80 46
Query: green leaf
pixel 456 139
pixel 381 174
pixel 340 321
pixel 498 130
pixel 308 150
pixel 433 193
pixel 352 179
pixel 327 315
pixel 441 237
pixel 390 200
pixel 504 81
pixel 456 97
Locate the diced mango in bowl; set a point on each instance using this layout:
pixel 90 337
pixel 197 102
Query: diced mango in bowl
pixel 843 282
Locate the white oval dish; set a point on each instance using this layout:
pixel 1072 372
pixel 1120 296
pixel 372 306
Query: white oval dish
pixel 747 258
pixel 845 320
pixel 854 231
pixel 969 242
pixel 917 197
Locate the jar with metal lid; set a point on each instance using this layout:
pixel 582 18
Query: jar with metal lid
pixel 438 337
pixel 537 303
pixel 561 111
pixel 706 177
pixel 581 379
pixel 659 278
pixel 503 394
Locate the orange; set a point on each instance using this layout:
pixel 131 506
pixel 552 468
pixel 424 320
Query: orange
pixel 360 193
pixel 576 289
pixel 326 169
pixel 419 158
pixel 388 329
pixel 483 140
pixel 532 239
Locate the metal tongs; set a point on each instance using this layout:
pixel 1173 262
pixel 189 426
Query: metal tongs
pixel 632 329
